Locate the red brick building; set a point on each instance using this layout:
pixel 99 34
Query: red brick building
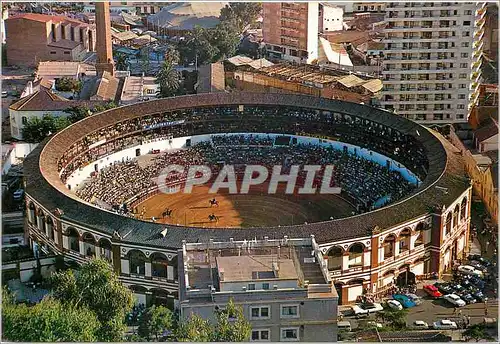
pixel 32 38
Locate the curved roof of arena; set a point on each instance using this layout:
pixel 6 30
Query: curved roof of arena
pixel 44 185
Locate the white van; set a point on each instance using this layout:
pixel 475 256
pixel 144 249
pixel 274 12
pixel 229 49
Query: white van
pixel 344 326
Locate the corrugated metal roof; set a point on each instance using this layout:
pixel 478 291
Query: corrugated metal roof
pixel 374 85
pixel 240 60
pixel 351 81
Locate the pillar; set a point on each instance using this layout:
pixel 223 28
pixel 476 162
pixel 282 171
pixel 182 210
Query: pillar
pixel 66 242
pixel 396 248
pixel 125 266
pixel 147 270
pixel 97 251
pixel 366 257
pixel 345 261
pixel 82 247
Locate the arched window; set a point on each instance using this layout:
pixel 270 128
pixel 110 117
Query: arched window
pixel 74 244
pixel 447 225
pixel 89 244
pixel 463 209
pixel 159 265
pixel 335 258
pixel 455 217
pixel 137 262
pixel 389 246
pixel 356 255
pixel 404 240
pixel 105 249
pixel 50 227
pixel 420 239
pixel 31 213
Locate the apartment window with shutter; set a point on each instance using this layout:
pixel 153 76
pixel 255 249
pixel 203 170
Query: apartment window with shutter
pixel 464 55
pixel 461 96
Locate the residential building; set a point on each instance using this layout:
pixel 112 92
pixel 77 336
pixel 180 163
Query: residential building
pixel 369 6
pixel 432 59
pixel 332 17
pixel 491 31
pixel 35 37
pixel 290 30
pixel 137 7
pixel 282 285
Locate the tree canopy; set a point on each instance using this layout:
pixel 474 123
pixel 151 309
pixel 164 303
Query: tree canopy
pixel 48 321
pixel 37 129
pixel 96 287
pixel 242 13
pixel 476 332
pixel 396 319
pixel 155 322
pixel 168 79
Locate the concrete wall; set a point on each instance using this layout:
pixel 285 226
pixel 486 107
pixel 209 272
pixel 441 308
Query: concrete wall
pixel 16 119
pixel 19 151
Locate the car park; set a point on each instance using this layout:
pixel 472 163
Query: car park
pixel 444 288
pixel 467 297
pixel 469 270
pixel 445 324
pixel 455 300
pixel 358 311
pixel 432 290
pixel 478 266
pixel 344 326
pixel 394 304
pixel 479 296
pixel 405 301
pixel 5 94
pixel 420 325
pixel 480 259
pixel 372 307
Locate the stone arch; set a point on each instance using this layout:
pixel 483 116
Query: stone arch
pixel 389 246
pixel 162 297
pixel 420 226
pixel 32 213
pixel 73 239
pixel 420 239
pixel 137 262
pixel 389 272
pixel 447 225
pixel 89 244
pixel 159 265
pixel 139 294
pixel 49 222
pixel 356 254
pixel 335 254
pixel 105 249
pixel 456 214
pixel 40 221
pixel 404 240
pixel 463 209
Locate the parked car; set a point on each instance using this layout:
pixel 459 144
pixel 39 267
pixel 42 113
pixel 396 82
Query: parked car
pixel 415 298
pixel 467 297
pixel 454 299
pixel 372 307
pixel 374 324
pixel 478 266
pixel 479 296
pixel 444 288
pixel 420 325
pixel 404 300
pixel 480 259
pixel 445 324
pixel 5 94
pixel 457 288
pixel 344 326
pixel 469 270
pixel 432 290
pixel 394 304
pixel 358 311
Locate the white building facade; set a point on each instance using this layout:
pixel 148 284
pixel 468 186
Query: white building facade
pixel 432 59
pixel 332 18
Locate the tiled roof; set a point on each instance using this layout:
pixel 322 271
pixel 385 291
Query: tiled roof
pixel 59 68
pixel 445 170
pixel 64 44
pixel 43 18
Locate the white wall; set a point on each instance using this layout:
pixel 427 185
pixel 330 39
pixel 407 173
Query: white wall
pixel 333 18
pixel 16 121
pixel 354 292
pixel 312 31
pixel 19 151
pixel 238 286
pixel 180 142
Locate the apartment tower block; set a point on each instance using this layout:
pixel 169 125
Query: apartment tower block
pixel 432 59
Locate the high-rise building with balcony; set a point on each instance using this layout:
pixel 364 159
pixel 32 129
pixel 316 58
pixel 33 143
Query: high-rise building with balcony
pixel 291 30
pixel 432 59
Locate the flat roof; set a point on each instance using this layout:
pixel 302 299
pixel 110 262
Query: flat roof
pixel 256 267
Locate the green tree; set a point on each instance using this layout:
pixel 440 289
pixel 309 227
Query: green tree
pixel 476 332
pixel 37 129
pixel 121 61
pixel 226 39
pixel 48 321
pixel 172 55
pixel 230 326
pixel 66 84
pixel 97 287
pixel 168 79
pixel 394 318
pixel 197 47
pixel 154 322
pixel 77 113
pixel 243 13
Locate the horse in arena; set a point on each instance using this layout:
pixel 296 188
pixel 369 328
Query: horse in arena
pixel 213 202
pixel 167 213
pixel 213 217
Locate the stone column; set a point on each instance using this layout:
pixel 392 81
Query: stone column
pixel 125 266
pixel 147 270
pixel 82 247
pixel 345 261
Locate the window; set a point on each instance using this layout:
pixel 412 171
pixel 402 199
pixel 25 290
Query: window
pixel 290 334
pixel 468 12
pixel 463 65
pixel 465 34
pixel 460 116
pixel 265 286
pixel 53 32
pixel 461 96
pixel 460 106
pixel 464 55
pixel 261 312
pixel 462 86
pixel 67 52
pixel 467 23
pixel 464 44
pixel 290 311
pixel 52 53
pixel 462 76
pixel 260 335
pixel 24 120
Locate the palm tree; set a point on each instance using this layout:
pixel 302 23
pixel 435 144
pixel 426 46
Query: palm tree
pixel 168 78
pixel 121 61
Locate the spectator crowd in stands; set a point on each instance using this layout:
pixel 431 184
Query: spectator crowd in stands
pixel 366 183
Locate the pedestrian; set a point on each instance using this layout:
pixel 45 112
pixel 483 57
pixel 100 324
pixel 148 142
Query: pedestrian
pixel 468 320
pixel 454 310
pixel 460 313
pixel 486 312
